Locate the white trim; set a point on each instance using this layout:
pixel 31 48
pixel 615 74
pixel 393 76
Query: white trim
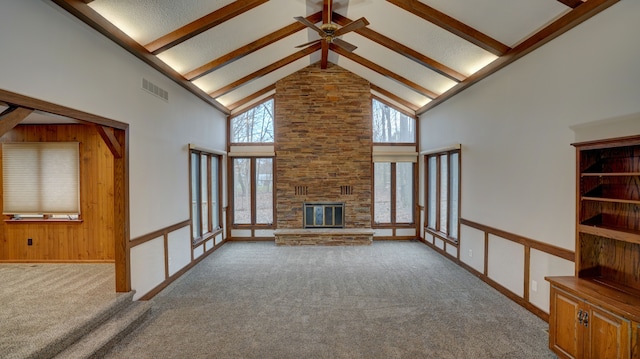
pixel 204 149
pixel 456 146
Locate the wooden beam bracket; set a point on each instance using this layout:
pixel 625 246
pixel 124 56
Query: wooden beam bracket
pixel 11 117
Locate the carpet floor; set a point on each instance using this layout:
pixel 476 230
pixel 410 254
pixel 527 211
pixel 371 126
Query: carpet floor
pixel 387 300
pixel 43 301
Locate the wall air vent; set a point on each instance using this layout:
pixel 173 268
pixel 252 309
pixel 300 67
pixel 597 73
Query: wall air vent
pixel 154 89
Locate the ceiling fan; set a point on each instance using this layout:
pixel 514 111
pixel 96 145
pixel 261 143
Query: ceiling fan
pixel 329 32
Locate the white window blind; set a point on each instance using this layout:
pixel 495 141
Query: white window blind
pixel 41 178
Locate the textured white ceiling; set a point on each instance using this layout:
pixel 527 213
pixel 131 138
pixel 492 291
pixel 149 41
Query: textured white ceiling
pixel 508 21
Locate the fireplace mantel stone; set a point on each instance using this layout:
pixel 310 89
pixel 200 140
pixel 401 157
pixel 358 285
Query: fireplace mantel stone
pixel 324 236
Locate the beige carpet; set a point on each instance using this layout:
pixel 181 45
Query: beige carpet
pixel 41 302
pixel 387 300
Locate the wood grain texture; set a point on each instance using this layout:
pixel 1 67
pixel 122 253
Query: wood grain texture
pixel 452 25
pixel 201 25
pixel 11 117
pixel 92 238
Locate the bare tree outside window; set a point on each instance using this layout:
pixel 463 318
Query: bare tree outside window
pixel 254 125
pixel 242 190
pixel 391 125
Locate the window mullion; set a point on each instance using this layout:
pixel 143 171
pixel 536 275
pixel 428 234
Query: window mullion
pixel 393 193
pixel 254 191
pixel 437 193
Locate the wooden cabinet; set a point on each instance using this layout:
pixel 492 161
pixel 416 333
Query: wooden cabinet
pixel 581 329
pixel 606 288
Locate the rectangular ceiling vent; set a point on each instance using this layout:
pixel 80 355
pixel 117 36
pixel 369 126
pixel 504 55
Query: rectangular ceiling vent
pixel 154 89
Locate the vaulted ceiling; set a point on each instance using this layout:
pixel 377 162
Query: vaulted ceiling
pixel 416 54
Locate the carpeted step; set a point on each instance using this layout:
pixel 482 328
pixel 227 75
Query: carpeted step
pixel 97 342
pixel 63 335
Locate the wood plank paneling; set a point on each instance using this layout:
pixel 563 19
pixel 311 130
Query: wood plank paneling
pixel 91 239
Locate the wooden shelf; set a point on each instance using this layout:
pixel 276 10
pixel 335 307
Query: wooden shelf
pixel 621 234
pixel 609 174
pixel 41 220
pixel 612 200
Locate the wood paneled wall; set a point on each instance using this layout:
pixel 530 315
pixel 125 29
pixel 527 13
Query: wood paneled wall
pixel 92 239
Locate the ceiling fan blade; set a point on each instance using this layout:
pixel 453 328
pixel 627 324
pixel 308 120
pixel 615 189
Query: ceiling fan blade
pixel 354 25
pixel 345 45
pixel 310 25
pixel 308 43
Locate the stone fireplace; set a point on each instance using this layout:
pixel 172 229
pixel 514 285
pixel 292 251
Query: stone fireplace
pixel 323 156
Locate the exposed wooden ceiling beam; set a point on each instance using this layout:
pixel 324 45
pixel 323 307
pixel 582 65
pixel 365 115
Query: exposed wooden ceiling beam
pixel 395 98
pixel 382 71
pixel 250 48
pixel 11 117
pixel 452 25
pixel 251 97
pixel 572 3
pixel 327 10
pixel 324 58
pixel 403 50
pixel 201 25
pixel 550 32
pixel 86 14
pixel 266 70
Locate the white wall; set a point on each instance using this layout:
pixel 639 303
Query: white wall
pixel 516 127
pixel 48 54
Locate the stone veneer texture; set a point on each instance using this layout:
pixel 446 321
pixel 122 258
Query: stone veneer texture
pixel 323 141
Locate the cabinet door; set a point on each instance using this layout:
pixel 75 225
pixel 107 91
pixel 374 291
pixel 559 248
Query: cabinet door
pixel 608 336
pixel 564 332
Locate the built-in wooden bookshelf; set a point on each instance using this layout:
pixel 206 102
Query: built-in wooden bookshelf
pixel 596 314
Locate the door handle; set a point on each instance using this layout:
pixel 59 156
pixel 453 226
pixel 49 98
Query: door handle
pixel 585 319
pixel 580 316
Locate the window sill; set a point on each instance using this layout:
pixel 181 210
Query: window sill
pixel 206 237
pixel 441 235
pixel 42 220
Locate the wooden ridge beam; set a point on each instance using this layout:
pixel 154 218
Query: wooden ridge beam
pixel 250 48
pixel 383 71
pixel 452 25
pixel 201 25
pixel 265 70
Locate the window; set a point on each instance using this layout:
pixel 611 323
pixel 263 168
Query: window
pixel 391 125
pixel 254 125
pixel 253 191
pixel 393 184
pixel 41 179
pixel 394 155
pixel 443 193
pixel 205 194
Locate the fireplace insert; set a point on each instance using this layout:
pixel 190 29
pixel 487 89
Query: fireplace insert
pixel 323 215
